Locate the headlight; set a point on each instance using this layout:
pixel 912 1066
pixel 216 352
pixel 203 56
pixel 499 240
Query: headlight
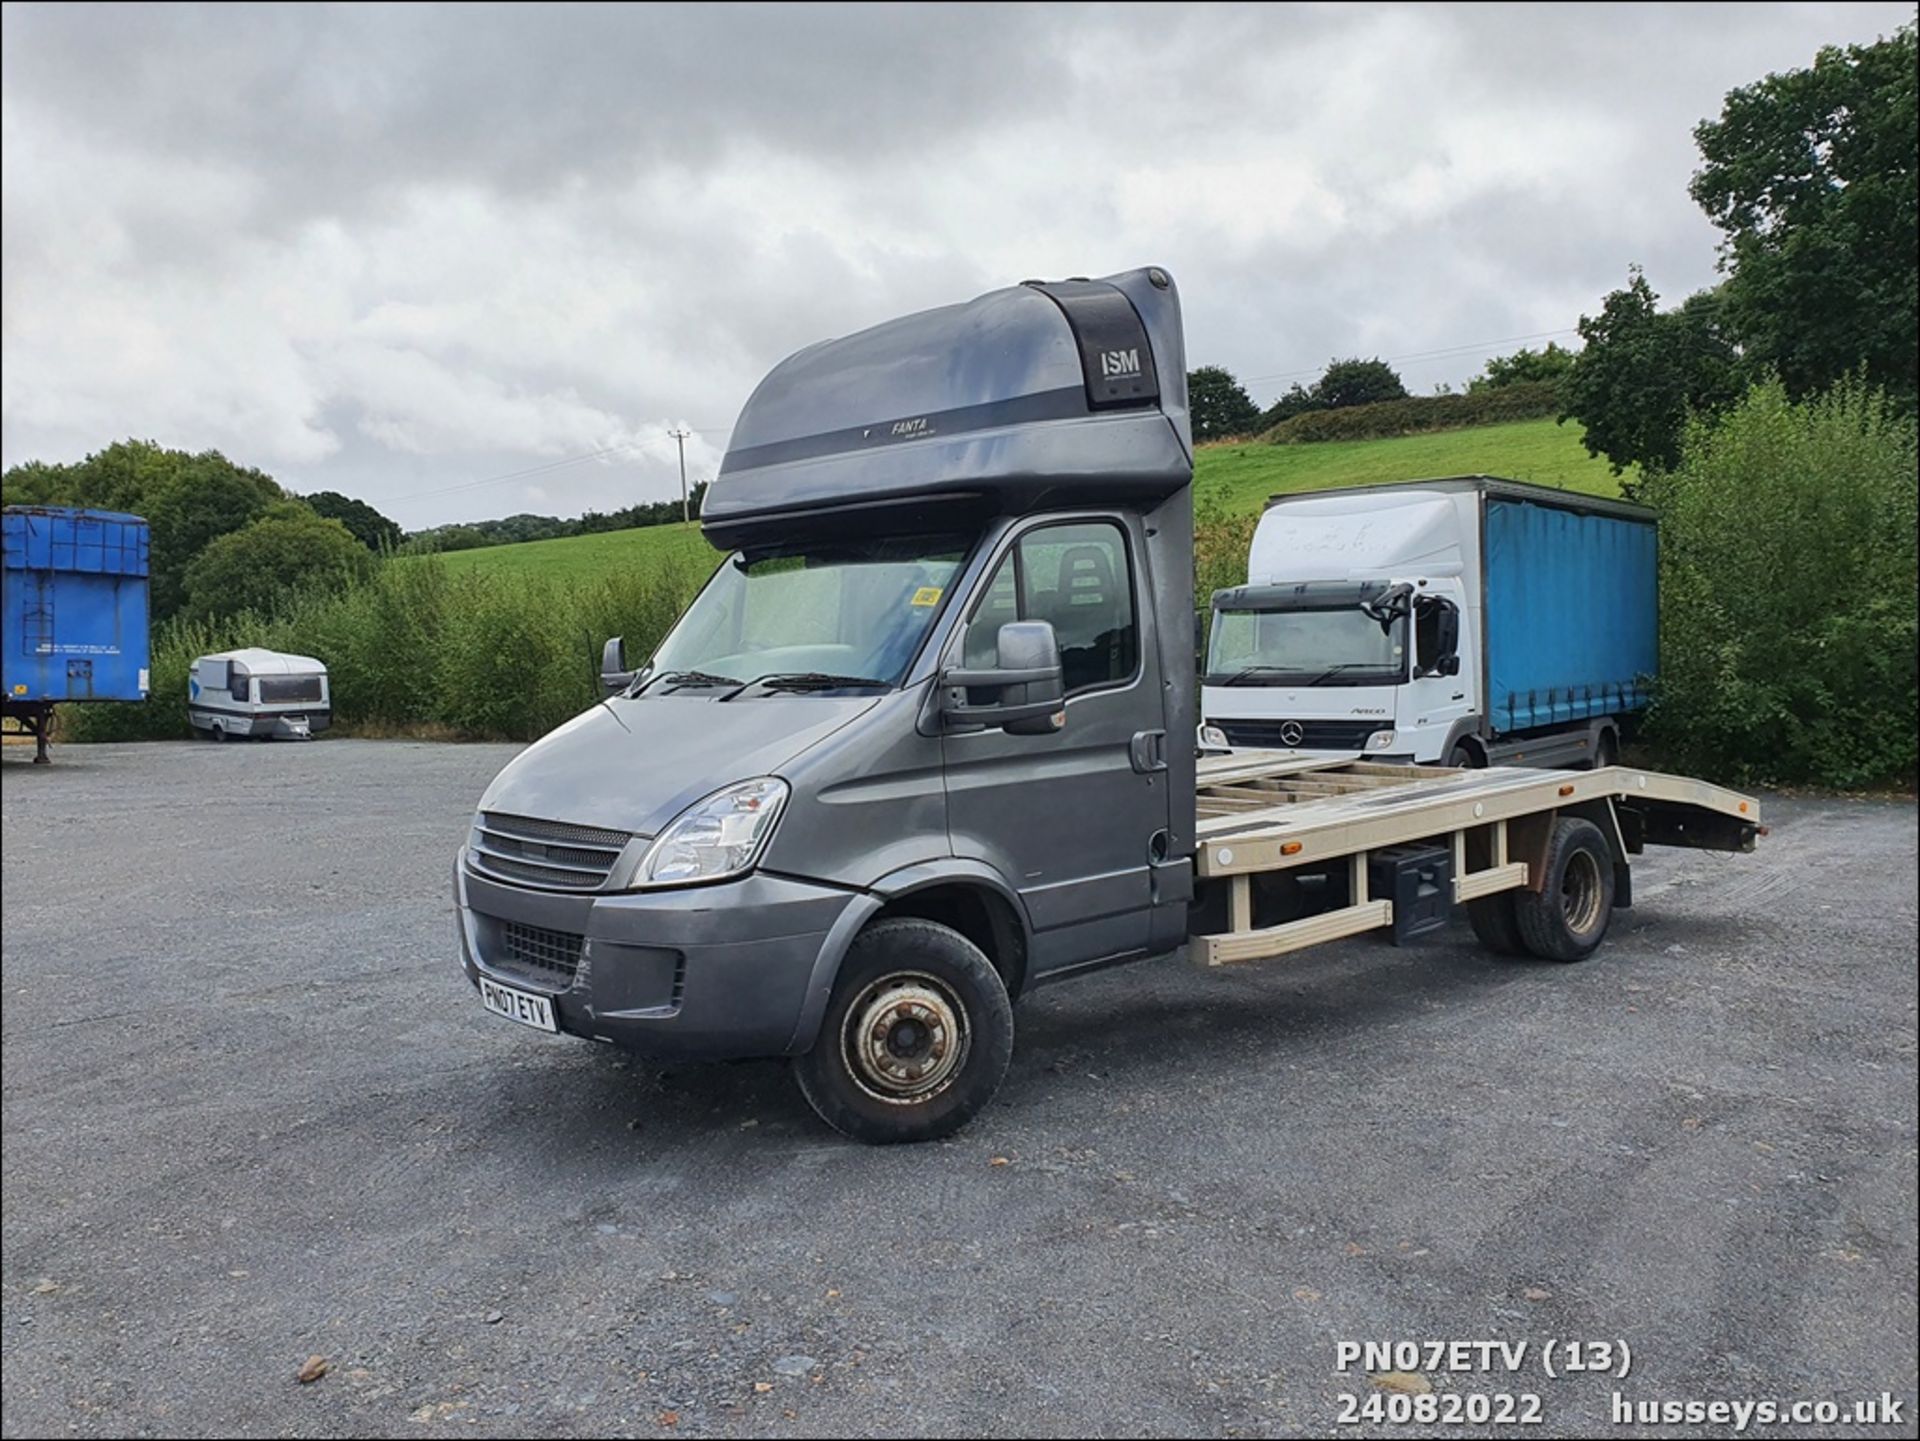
pixel 1379 740
pixel 718 837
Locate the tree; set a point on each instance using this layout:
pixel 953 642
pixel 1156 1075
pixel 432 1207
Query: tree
pixel 1643 370
pixel 369 527
pixel 1357 382
pixel 1811 176
pixel 187 499
pixel 1219 404
pixel 1787 578
pixel 287 550
pixel 1297 401
pixel 1524 367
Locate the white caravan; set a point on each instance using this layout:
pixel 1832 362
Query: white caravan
pixel 262 694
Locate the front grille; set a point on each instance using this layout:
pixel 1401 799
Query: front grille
pixel 279 689
pixel 1315 735
pixel 547 958
pixel 545 853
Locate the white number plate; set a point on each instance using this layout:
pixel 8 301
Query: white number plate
pixel 521 1006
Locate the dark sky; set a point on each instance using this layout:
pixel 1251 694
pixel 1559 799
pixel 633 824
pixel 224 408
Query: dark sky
pixel 396 251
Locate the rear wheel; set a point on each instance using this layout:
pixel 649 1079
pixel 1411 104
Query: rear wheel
pixel 1495 924
pixel 916 1039
pixel 1606 750
pixel 1568 918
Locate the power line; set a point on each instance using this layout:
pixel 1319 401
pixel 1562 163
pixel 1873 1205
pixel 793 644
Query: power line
pixel 531 470
pixel 1424 354
pixel 565 462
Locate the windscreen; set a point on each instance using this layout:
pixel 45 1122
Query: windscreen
pixel 853 610
pixel 1332 646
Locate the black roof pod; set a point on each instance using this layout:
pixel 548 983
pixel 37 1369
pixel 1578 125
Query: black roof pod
pixel 1057 393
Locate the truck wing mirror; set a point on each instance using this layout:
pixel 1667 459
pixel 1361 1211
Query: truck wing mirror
pixel 614 675
pixel 1026 673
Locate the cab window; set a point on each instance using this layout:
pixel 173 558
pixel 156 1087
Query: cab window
pixel 1079 578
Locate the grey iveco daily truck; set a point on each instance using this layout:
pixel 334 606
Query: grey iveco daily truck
pixel 926 740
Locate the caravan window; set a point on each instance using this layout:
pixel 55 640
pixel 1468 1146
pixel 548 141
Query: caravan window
pixel 238 681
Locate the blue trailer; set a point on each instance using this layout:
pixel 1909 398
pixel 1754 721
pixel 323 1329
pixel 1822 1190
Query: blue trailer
pixel 1468 621
pixel 75 611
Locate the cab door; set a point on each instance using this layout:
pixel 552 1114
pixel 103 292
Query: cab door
pixel 1439 693
pixel 1072 819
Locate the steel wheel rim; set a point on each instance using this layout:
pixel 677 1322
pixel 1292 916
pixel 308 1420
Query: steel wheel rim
pixel 1580 892
pixel 905 1038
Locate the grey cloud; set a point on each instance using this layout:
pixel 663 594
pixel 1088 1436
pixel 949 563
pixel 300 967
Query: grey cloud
pixel 389 250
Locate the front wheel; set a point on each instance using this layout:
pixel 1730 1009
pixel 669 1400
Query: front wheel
pixel 916 1038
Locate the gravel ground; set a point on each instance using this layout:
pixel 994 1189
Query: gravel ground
pixel 253 1113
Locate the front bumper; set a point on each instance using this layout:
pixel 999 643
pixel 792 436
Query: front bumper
pixel 705 973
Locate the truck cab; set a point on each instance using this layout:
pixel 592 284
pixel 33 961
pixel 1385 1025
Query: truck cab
pixel 922 742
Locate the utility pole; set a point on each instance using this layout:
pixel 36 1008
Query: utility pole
pixel 680 439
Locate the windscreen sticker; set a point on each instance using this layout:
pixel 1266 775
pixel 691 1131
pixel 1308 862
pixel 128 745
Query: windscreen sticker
pixel 927 595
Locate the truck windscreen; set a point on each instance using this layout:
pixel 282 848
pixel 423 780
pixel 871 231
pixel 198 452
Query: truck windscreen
pixel 852 612
pixel 1296 646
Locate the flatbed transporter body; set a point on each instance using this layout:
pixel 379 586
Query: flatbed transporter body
pixel 924 741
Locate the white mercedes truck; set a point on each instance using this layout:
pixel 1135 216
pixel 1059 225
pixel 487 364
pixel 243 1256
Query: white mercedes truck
pixel 1462 622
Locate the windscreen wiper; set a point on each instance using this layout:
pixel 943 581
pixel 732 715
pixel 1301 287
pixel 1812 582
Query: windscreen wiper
pixel 677 678
pixel 815 680
pixel 1240 677
pixel 1331 671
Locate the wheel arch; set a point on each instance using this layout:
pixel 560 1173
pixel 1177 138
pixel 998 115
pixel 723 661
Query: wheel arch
pixel 971 898
pixel 1467 731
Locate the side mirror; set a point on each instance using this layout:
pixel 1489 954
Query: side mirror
pixel 1449 664
pixel 614 675
pixel 1026 673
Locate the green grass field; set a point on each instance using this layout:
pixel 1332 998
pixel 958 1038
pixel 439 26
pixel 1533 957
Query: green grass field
pixel 584 557
pixel 1243 476
pixel 1535 450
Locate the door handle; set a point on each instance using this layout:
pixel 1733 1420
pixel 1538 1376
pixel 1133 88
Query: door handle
pixel 1148 751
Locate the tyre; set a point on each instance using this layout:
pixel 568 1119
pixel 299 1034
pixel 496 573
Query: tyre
pixel 916 1038
pixel 1568 918
pixel 219 732
pixel 1606 751
pixel 1494 923
pixel 1463 757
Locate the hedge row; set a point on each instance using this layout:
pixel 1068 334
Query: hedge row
pixel 478 654
pixel 1388 418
